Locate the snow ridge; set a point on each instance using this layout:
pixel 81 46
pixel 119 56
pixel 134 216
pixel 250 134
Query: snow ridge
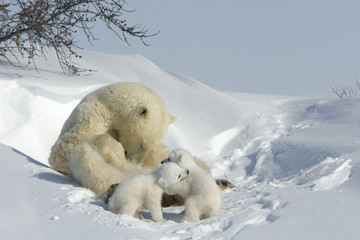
pixel 285 155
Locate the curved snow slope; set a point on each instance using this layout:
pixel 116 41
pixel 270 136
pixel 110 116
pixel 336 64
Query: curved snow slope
pixel 33 106
pixel 271 147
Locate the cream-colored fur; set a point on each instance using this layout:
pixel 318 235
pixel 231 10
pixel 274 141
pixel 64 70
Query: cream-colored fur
pixel 113 133
pixel 144 191
pixel 203 196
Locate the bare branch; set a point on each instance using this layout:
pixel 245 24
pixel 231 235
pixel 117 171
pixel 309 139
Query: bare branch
pixel 346 92
pixel 32 26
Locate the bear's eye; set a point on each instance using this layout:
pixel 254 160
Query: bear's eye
pixel 179 176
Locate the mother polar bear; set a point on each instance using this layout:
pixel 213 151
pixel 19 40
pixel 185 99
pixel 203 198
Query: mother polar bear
pixel 115 132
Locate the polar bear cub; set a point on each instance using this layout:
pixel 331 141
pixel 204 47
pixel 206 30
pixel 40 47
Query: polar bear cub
pixel 203 196
pixel 144 191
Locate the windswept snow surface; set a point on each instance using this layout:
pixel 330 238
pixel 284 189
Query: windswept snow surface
pixel 295 162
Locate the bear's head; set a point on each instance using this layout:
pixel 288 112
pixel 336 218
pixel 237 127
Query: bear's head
pixel 140 118
pixel 181 157
pixel 170 174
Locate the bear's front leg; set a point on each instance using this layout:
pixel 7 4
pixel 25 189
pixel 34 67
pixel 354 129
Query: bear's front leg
pixel 156 212
pixel 97 163
pixel 153 204
pixel 109 148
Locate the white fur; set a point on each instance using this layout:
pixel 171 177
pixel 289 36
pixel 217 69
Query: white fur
pixel 115 132
pixel 145 191
pixel 203 196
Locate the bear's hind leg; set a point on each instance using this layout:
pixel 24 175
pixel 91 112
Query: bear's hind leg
pixel 131 209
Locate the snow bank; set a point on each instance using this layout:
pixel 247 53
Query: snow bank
pixel 279 151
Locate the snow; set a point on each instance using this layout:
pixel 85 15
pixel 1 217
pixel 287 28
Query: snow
pixel 295 161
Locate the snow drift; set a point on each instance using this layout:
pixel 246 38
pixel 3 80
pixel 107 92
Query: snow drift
pixel 294 161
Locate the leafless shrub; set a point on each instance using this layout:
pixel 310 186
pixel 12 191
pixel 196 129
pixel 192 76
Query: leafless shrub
pixel 31 27
pixel 346 92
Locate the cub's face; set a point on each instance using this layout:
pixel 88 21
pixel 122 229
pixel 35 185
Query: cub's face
pixel 170 174
pixel 181 157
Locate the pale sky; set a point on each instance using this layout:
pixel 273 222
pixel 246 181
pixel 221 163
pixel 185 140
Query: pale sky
pixel 287 47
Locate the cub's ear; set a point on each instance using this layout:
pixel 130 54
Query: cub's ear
pixel 162 182
pixel 172 119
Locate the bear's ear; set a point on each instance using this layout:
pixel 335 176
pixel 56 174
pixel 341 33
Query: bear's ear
pixel 172 119
pixel 162 182
pixel 180 158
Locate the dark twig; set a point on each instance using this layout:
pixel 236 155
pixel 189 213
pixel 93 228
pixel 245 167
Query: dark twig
pixel 30 27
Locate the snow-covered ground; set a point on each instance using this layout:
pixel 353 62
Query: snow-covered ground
pixel 295 161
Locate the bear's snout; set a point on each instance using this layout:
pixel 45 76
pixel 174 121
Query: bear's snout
pixel 187 171
pixel 164 161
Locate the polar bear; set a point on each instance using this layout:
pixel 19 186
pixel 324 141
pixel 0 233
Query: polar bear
pixel 202 195
pixel 113 133
pixel 145 191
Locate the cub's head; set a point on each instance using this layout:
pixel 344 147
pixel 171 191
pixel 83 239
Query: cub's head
pixel 170 174
pixel 181 157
